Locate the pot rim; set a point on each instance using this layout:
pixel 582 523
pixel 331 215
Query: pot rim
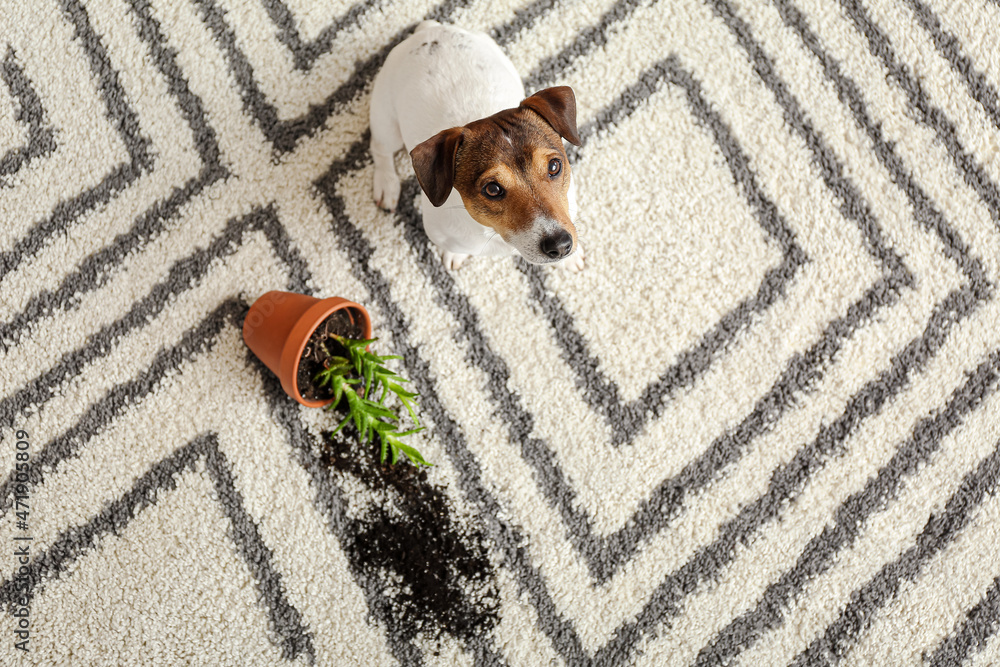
pixel 303 328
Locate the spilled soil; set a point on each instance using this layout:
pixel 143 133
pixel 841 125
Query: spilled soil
pixel 436 575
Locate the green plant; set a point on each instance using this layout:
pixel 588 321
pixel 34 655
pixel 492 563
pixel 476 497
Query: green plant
pixel 357 377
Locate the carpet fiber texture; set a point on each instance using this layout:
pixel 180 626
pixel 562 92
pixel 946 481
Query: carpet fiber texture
pixel 761 427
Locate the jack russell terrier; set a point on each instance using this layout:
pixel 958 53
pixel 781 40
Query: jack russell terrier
pixel 490 162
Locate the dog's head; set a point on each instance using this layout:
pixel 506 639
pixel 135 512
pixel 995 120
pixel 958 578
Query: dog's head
pixel 512 172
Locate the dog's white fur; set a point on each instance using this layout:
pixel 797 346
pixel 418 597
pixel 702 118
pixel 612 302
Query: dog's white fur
pixel 441 77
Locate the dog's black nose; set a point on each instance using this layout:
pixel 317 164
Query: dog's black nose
pixel 558 245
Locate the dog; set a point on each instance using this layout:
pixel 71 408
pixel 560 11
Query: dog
pixel 491 163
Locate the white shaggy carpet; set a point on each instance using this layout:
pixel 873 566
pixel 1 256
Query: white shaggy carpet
pixel 762 427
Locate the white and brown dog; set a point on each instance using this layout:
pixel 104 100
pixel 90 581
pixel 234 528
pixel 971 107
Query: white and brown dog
pixel 491 163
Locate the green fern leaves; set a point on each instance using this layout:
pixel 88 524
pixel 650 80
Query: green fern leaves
pixel 359 377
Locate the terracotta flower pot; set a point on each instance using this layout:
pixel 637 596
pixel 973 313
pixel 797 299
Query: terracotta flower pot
pixel 279 325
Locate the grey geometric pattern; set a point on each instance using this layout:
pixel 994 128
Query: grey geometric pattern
pixel 40 136
pixel 761 427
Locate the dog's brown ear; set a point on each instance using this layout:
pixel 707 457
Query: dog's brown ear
pixel 434 163
pixel 558 107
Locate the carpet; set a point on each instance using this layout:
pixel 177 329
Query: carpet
pixel 761 427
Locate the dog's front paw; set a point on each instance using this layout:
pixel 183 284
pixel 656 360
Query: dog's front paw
pixel 574 262
pixel 385 189
pixel 453 260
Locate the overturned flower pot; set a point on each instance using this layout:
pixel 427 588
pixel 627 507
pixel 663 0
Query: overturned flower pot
pixel 318 348
pixel 279 326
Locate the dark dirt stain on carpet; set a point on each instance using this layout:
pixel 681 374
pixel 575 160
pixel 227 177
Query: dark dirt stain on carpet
pixel 434 574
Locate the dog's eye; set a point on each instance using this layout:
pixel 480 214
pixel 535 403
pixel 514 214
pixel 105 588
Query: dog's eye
pixel 555 166
pixel 493 191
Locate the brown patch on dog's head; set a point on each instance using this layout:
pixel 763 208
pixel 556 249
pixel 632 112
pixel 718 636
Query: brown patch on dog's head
pixel 511 171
